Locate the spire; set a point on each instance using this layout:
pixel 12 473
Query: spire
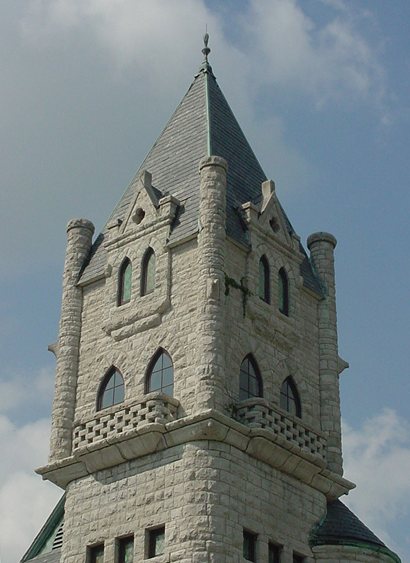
pixel 202 125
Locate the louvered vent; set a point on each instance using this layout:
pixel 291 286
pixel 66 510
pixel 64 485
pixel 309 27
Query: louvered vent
pixel 58 540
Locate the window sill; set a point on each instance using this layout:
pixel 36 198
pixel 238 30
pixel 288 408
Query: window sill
pixel 126 321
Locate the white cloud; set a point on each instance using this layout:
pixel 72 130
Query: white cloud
pixel 25 501
pixel 331 61
pixel 152 35
pixel 18 391
pixel 377 459
pixel 284 46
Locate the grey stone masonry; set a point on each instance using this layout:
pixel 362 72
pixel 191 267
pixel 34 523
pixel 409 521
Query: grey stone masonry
pixel 211 264
pixel 321 246
pixel 205 403
pixel 79 239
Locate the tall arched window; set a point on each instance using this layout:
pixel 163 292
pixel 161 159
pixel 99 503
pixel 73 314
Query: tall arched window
pixel 250 380
pixel 289 397
pixel 124 282
pixel 283 288
pixel 148 272
pixel 160 375
pixel 111 389
pixel 264 282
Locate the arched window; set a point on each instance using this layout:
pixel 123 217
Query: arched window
pixel 250 380
pixel 289 397
pixel 283 288
pixel 160 376
pixel 124 282
pixel 264 285
pixel 111 389
pixel 148 272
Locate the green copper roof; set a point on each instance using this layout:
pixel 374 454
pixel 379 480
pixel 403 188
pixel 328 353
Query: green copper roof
pixel 341 527
pixel 46 546
pixel 203 124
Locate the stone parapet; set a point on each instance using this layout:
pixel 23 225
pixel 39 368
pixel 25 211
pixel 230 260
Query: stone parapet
pixel 257 413
pixel 124 418
pixel 259 443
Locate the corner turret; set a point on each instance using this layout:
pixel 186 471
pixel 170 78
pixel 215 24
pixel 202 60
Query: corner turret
pixel 321 246
pixel 79 240
pixel 211 257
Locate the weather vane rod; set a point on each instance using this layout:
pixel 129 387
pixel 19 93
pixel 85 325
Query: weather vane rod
pixel 206 50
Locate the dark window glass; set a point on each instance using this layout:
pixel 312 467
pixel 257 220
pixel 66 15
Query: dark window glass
pixel 274 553
pixel 161 374
pixel 289 397
pixel 283 288
pixel 250 381
pixel 298 558
pixel 124 282
pixel 264 285
pixel 126 550
pixel 95 554
pixel 249 546
pixel 156 542
pixel 148 272
pixel 111 390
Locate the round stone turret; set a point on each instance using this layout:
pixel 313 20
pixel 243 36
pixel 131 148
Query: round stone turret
pixel 79 241
pixel 321 246
pixel 211 264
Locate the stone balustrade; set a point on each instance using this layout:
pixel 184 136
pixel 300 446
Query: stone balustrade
pixel 258 413
pixel 123 418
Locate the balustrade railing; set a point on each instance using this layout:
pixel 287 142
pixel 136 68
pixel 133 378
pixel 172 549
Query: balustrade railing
pixel 257 413
pixel 114 422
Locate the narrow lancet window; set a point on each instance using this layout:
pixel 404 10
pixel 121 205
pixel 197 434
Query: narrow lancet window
pixel 264 285
pixel 250 380
pixel 148 272
pixel 289 397
pixel 283 288
pixel 124 282
pixel 160 376
pixel 111 389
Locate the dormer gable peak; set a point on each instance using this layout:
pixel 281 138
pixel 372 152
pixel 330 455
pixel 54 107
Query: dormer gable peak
pixel 144 205
pixel 271 215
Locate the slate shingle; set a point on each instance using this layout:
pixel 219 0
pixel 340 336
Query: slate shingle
pixel 340 526
pixel 202 124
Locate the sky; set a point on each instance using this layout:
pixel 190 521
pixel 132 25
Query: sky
pixel 321 90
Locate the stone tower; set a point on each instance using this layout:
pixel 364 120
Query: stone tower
pixel 196 414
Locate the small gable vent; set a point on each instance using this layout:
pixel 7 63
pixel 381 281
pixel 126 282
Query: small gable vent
pixel 58 540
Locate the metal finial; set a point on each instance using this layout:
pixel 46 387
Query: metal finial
pixel 206 50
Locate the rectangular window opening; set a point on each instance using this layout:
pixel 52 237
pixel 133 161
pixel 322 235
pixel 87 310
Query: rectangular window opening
pixel 95 553
pixel 125 550
pixel 155 541
pixel 298 558
pixel 274 552
pixel 249 545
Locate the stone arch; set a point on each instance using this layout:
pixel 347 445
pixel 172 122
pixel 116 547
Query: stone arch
pixel 124 282
pixel 159 375
pixel 148 271
pixel 283 291
pixel 111 390
pixel 250 379
pixel 264 290
pixel 290 398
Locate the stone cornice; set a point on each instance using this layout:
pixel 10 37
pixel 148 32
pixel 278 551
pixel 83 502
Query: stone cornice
pixel 210 425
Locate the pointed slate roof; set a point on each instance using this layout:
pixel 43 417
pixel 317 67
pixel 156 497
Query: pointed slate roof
pixel 203 124
pixel 341 527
